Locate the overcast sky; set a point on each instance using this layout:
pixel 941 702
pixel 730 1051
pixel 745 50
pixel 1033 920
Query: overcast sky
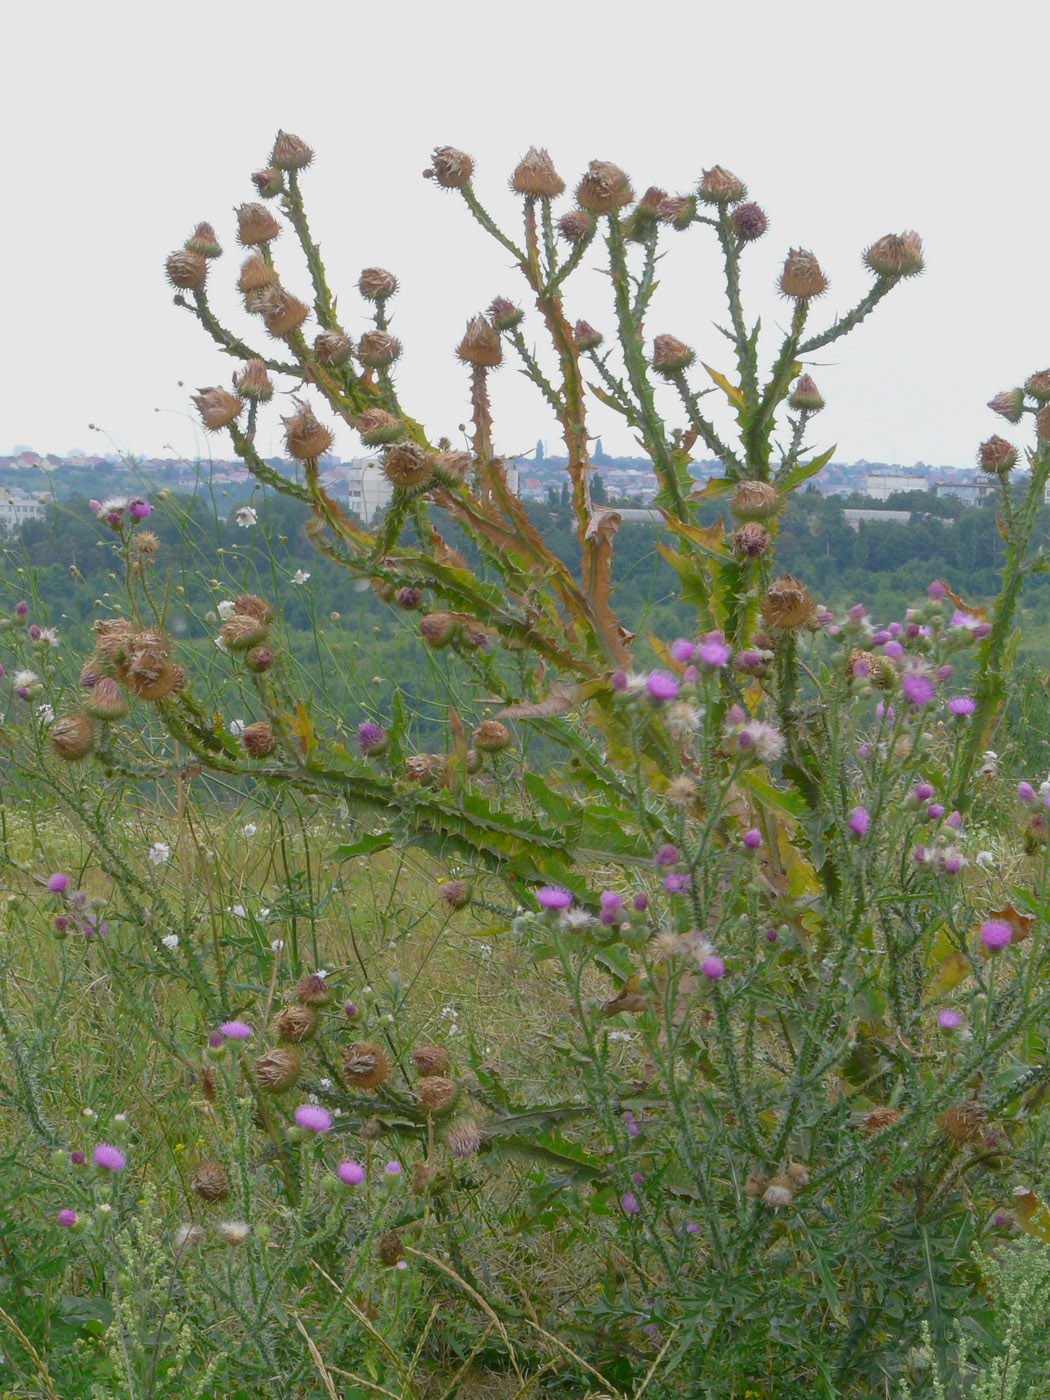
pixel 127 123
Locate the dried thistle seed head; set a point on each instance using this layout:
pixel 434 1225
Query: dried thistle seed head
pixel 305 438
pixel 1038 385
pixel 474 635
pixel 240 632
pixel 260 660
pixel 504 315
pixel 376 284
pixel 438 629
pixel 332 348
pixel 218 408
pixel 535 175
pixel 253 383
pixel 111 636
pixel 71 737
pixel 389 1248
pixel 289 152
pixel 585 336
pixel 896 255
pixel 755 1184
pixel 754 500
pixel 651 202
pixel 234 1232
pixel 787 605
pixel 491 736
pixel 965 1122
pixel 256 225
pixel 777 1194
pixel 879 1119
pixel 277 1070
pixel 371 1129
pixel 145 543
pixel 90 674
pixel 365 1065
pixel 872 666
pixel 378 349
pixel 437 1094
pixel 281 312
pixel 427 769
pixel 801 277
pixel 142 682
pixel 203 241
pixel 210 1182
pixel 451 169
pixel 576 225
pixel 312 990
pixel 680 792
pixel 481 344
pixel 751 541
pixel 255 273
pixel 455 467
pixel 377 427
pixel 721 186
pixel 253 606
pixel 678 210
pixel 429 1059
pixel 106 700
pixel 294 1023
pixel 408 598
pixel 805 396
pixel 269 182
pixel 797 1175
pixel 996 456
pixel 749 222
pixel 670 355
pixel 186 269
pixel 257 739
pixel 604 189
pixel 462 1138
pixel 406 465
pixel 1009 405
pixel 456 894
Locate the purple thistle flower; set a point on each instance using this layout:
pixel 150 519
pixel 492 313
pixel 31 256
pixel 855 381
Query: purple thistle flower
pixel 640 902
pixel 350 1172
pixel 881 637
pixel 629 1203
pixel 936 590
pixel 661 685
pixel 76 1158
pixel 923 791
pixel 216 1040
pixel 67 1219
pixel 948 1019
pixel 917 689
pixel 313 1118
pixel 1025 792
pixel 392 1168
pixel 690 675
pixel 56 883
pixel 139 508
pixel 665 854
pixel 951 865
pixel 235 1030
pixel 60 923
pixel 675 882
pixel 713 652
pixel 713 968
pixel 954 820
pixel 752 839
pixel 108 1157
pixel 894 650
pixel 618 680
pixel 961 705
pixel 34 633
pixel 21 609
pixel 771 934
pixel 371 738
pixel 551 897
pixel 918 855
pixel 935 811
pixel 682 650
pixel 995 934
pixel 858 821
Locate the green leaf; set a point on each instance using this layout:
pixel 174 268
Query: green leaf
pixel 788 802
pixel 802 471
pixel 731 392
pixel 364 846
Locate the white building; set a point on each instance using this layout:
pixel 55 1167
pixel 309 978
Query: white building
pixel 368 490
pixel 880 486
pixel 16 507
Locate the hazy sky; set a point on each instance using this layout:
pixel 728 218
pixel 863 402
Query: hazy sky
pixel 127 123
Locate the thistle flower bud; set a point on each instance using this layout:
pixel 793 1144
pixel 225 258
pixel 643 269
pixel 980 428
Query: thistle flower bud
pixel 390 1249
pixel 451 169
pixel 646 213
pixel 453 467
pixel 251 605
pixel 408 598
pixel 492 737
pixel 376 284
pixel 210 1182
pixel 535 175
pixel 751 541
pixel 754 500
pixel 71 737
pixel 305 438
pixel 376 427
pixel 240 632
pixel 1009 405
pixel 721 186
pixel 787 606
pixel 429 1059
pixel 253 382
pixel 186 269
pixel 481 344
pixel 218 408
pixel 604 189
pixel 586 337
pixel 436 1094
pixel 504 315
pixel 438 629
pixel 896 255
pixel 312 990
pixel 255 273
pixel 671 356
pixel 106 700
pixel 964 1122
pixel 806 396
pixel 257 739
pixel 294 1023
pixel 996 456
pixel 332 348
pixel 277 1070
pixel 455 893
pixel 462 1137
pixel 281 312
pixel 365 1065
pixel 269 183
pixel 377 349
pixel 407 465
pixel 1038 385
pixel 289 152
pixel 801 277
pixel 255 225
pixel 575 226
pixel 203 241
pixel 260 660
pixel 678 210
pixel 749 222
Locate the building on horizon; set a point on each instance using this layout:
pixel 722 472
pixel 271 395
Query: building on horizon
pixel 880 486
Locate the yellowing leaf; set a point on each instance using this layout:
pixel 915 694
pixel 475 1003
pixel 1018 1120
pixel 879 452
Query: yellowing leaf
pixel 949 974
pixel 731 392
pixel 302 726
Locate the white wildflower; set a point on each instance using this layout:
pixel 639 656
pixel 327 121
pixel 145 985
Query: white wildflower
pixel 25 678
pixel 170 941
pixel 246 517
pixel 236 727
pixel 277 944
pixel 160 852
pixel 575 918
pixel 299 576
pixel 985 859
pixel 237 910
pixel 249 830
pixel 49 636
pixel 45 714
pixel 264 913
pixel 621 1035
pixel 226 609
